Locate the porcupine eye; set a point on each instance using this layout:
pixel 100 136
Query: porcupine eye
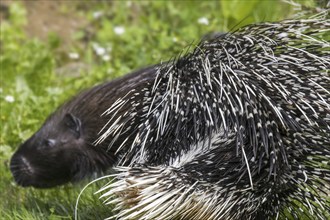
pixel 73 123
pixel 49 143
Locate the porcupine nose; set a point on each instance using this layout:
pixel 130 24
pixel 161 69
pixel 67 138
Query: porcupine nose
pixel 22 170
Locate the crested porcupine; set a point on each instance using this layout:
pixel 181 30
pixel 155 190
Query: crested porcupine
pixel 237 129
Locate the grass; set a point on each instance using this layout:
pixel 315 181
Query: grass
pixel 38 75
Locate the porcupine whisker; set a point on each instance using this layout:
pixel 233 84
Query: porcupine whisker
pixel 85 187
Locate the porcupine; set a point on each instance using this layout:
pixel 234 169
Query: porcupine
pixel 237 129
pixel 213 125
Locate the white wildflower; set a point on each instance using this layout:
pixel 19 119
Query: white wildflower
pixel 10 98
pixel 119 30
pixel 74 56
pixel 97 14
pixel 106 57
pixel 100 51
pixel 203 20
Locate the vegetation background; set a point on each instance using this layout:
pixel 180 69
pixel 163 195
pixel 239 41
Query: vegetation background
pixel 50 50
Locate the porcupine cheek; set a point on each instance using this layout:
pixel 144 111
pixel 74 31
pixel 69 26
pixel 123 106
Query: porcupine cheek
pixel 22 170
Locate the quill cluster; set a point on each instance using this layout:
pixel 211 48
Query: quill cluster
pixel 237 129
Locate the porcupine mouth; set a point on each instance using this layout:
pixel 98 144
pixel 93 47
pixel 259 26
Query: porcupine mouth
pixel 25 175
pixel 22 171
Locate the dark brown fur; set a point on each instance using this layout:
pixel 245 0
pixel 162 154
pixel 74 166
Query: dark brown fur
pixel 62 150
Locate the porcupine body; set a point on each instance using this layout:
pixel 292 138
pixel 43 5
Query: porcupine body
pixel 237 129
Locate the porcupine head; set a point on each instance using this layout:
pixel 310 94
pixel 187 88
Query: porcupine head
pixel 63 149
pixel 59 152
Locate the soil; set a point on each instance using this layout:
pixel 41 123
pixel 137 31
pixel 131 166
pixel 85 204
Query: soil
pixel 48 16
pixel 62 17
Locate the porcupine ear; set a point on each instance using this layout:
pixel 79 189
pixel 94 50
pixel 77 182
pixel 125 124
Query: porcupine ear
pixel 73 123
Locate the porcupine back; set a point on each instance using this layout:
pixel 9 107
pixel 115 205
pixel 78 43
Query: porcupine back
pixel 237 129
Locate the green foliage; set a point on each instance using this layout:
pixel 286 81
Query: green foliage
pixel 36 76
